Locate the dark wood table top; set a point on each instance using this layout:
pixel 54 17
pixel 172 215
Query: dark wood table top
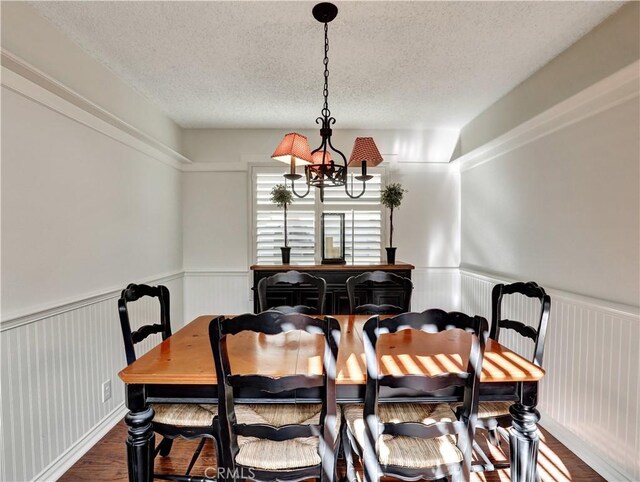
pixel 186 358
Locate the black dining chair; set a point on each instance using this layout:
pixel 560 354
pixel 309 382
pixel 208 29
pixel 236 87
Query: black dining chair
pixel 171 420
pixel 286 441
pixel 399 437
pixel 293 278
pixel 374 278
pixel 494 416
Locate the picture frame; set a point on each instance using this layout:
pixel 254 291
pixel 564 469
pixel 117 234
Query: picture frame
pixel 333 238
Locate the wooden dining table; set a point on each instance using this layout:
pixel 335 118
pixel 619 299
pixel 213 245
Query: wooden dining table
pixel 181 370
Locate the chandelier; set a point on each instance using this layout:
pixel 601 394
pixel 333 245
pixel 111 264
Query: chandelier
pixel 322 168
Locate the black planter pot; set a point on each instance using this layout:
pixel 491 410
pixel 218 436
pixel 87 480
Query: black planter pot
pixel 391 255
pixel 286 255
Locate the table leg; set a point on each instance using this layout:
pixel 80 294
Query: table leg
pixel 523 435
pixel 141 439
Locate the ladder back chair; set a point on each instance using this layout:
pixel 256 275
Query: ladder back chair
pixel 294 278
pixel 494 416
pixel 377 277
pixel 413 440
pixel 171 420
pixel 281 441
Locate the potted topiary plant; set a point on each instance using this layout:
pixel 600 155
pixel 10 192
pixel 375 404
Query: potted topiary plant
pixel 282 197
pixel 391 198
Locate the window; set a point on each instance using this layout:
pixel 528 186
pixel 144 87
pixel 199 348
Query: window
pixel 363 220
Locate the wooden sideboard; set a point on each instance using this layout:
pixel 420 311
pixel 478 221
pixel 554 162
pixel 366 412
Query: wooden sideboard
pixel 337 301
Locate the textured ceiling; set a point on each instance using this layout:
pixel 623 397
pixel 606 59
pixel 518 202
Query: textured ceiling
pixel 259 64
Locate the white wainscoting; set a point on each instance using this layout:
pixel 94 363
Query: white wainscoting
pixel 589 396
pixel 217 293
pixel 226 292
pixel 436 288
pixel 53 366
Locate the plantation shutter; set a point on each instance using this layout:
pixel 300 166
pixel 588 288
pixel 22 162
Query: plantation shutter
pixel 363 220
pixel 269 224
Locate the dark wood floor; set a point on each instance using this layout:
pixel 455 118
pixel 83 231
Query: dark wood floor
pixel 107 461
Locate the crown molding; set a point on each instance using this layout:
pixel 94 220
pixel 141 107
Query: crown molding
pixel 605 94
pixel 30 82
pixel 216 167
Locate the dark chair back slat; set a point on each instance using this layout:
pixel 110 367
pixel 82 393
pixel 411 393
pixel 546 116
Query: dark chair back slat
pixel 272 323
pixel 275 385
pixel 424 384
pixel 371 309
pixel 529 289
pixel 420 430
pixel 132 293
pixel 432 322
pixel 376 277
pixel 520 328
pixel 278 434
pixel 294 278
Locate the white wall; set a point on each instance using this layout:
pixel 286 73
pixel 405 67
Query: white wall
pixel 84 213
pixel 609 47
pixel 30 37
pixel 217 216
pixel 427 225
pixel 563 210
pixel 216 220
pixel 216 211
pixel 80 212
pixel 235 145
pixel 557 200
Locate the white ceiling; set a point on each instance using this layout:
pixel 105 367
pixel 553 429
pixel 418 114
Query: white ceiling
pixel 259 64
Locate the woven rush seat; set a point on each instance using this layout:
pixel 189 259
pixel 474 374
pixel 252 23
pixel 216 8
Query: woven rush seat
pixel 493 409
pixel 286 454
pixel 184 414
pixel 409 452
pixel 489 409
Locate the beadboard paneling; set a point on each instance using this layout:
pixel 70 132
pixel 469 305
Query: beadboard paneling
pixel 228 292
pixel 216 293
pixel 590 391
pixel 52 371
pixel 436 288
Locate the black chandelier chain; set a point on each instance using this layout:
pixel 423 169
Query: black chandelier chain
pixel 325 110
pixel 328 172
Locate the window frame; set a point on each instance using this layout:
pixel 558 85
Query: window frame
pixel 255 168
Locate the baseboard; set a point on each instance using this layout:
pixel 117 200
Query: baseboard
pixel 59 466
pixel 582 449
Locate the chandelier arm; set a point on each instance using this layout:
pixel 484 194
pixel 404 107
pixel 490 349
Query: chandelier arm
pixel 346 190
pixel 293 189
pixel 321 147
pixel 344 159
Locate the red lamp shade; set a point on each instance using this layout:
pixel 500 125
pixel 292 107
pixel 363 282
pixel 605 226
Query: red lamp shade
pixel 293 149
pixel 364 149
pixel 318 158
